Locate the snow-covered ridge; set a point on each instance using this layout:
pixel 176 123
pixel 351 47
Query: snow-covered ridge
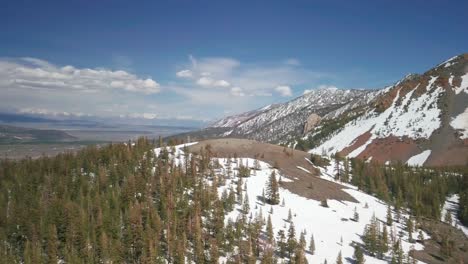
pixel 275 122
pixel 408 116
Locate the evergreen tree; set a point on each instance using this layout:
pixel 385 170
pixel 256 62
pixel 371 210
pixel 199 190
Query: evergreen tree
pixel 269 230
pixel 272 190
pixel 52 245
pixel 312 245
pixel 282 245
pixel 292 242
pixel 339 259
pixel 356 215
pixel 358 255
pixel 409 228
pixel 246 205
pixel 448 218
pixel 289 216
pixel 389 216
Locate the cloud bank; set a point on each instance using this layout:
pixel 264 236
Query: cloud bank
pixel 200 89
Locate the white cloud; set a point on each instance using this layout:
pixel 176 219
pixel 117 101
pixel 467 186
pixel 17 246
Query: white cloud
pixel 292 62
pixel 205 81
pixel 184 74
pixel 210 82
pixel 221 83
pixel 143 115
pixel 237 91
pixel 284 90
pixel 255 79
pixel 35 74
pixel 234 87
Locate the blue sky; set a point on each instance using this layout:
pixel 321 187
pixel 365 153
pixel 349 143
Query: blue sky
pixel 123 56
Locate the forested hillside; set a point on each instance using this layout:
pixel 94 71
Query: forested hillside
pixel 125 203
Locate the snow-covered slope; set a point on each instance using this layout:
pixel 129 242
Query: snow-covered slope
pixel 332 227
pixel 420 116
pixel 421 113
pixel 451 206
pixel 279 122
pixel 235 120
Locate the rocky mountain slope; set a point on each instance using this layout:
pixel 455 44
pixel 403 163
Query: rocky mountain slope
pixel 422 120
pixel 278 123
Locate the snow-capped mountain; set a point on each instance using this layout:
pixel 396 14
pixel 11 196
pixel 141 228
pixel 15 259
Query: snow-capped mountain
pixel 421 120
pixel 280 122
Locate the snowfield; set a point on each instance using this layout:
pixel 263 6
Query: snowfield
pixel 418 160
pixel 412 117
pixel 463 86
pixel 460 123
pixel 329 225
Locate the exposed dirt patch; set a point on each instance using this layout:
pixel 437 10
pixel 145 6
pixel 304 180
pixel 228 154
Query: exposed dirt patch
pixel 452 156
pixel 305 184
pixel 390 149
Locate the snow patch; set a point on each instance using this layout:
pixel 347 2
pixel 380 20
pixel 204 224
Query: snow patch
pixel 303 169
pixel 418 160
pixel 463 85
pixel 460 123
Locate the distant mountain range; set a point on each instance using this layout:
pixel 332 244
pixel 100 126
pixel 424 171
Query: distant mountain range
pixel 422 120
pixel 12 134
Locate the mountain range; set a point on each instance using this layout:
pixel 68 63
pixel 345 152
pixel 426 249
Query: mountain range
pixel 421 120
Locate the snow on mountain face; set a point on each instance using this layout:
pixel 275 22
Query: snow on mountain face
pixel 428 112
pixel 276 122
pixel 418 113
pixel 232 121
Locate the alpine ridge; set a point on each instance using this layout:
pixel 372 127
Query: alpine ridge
pixel 421 119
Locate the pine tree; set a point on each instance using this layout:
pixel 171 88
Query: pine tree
pixel 356 215
pixel 272 190
pixel 214 252
pixel 384 239
pixel 448 218
pixel 389 216
pixel 282 245
pixel 312 245
pixel 291 240
pixel 339 259
pixel 302 240
pixel 409 226
pixel 358 255
pixel 246 205
pixel 52 245
pixel 269 230
pixel 371 236
pixel 289 216
pixel 299 255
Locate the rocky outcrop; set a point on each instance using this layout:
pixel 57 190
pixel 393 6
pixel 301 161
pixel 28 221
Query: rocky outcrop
pixel 312 121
